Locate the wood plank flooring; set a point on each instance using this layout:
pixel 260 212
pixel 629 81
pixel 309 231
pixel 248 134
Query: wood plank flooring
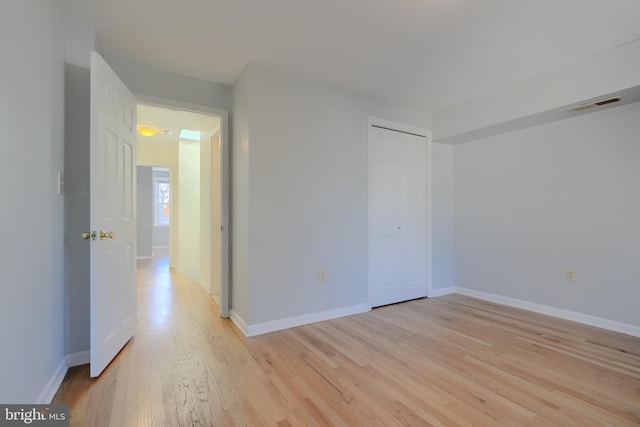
pixel 448 361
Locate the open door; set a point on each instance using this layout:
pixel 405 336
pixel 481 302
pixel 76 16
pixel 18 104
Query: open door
pixel 113 215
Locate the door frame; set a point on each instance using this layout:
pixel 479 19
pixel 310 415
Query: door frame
pixel 402 127
pixel 223 115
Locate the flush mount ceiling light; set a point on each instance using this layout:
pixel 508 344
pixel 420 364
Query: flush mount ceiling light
pixel 147 130
pixel 151 130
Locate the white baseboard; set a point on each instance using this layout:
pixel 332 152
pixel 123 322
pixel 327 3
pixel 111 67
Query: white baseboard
pixel 206 287
pixel 77 359
pixel 441 292
pixel 53 385
pixel 159 247
pixel 586 319
pixel 305 319
pixel 238 321
pixel 144 257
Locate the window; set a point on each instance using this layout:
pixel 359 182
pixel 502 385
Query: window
pixel 162 197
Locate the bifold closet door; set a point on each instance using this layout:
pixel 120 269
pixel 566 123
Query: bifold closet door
pixel 397 217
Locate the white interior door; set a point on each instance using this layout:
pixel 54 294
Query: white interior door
pixel 113 214
pixel 397 216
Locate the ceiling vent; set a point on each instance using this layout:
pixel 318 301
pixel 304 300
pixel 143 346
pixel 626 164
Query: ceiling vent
pixel 600 103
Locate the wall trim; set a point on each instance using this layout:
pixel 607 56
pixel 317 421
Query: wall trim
pixel 238 321
pixel 160 247
pixel 434 293
pixel 144 257
pixel 53 385
pixel 586 319
pixel 305 319
pixel 79 358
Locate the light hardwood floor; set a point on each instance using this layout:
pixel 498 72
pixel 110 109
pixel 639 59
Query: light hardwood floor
pixel 446 361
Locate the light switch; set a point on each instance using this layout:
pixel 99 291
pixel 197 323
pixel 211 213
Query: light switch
pixel 60 182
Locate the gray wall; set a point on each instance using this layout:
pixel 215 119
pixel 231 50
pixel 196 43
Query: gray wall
pixel 163 84
pixel 533 203
pixel 160 236
pixel 304 149
pixel 31 154
pixel 239 277
pixel 76 208
pixel 145 211
pixel 442 273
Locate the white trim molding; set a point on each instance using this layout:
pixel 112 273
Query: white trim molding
pixel 144 257
pixel 238 321
pixel 586 319
pixel 434 293
pixel 292 322
pixel 78 359
pixel 53 385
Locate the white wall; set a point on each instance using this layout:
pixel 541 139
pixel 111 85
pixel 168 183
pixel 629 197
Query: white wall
pixel 215 217
pixel 307 192
pixel 189 209
pixel 205 212
pixel 31 154
pixel 533 203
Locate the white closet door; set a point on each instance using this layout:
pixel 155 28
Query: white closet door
pixel 397 217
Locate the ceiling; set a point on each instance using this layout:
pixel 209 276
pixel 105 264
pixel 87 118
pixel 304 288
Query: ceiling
pixel 430 54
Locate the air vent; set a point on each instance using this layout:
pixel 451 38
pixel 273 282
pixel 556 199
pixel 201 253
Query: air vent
pixel 577 108
pixel 608 101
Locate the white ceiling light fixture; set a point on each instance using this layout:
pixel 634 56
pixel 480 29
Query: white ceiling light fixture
pixel 191 135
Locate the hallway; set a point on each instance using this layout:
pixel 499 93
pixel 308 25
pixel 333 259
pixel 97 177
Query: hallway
pixel 173 371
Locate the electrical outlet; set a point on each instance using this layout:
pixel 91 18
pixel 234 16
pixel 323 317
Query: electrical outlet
pixel 570 275
pixel 322 276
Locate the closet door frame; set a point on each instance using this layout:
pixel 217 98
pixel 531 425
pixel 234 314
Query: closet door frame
pixel 373 124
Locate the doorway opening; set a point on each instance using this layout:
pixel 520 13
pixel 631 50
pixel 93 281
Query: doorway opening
pixel 154 211
pixel 182 192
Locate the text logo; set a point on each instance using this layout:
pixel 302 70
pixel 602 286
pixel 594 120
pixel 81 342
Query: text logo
pixel 34 415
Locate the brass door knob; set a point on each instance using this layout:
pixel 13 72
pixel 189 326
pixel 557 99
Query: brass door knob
pixel 89 235
pixel 107 235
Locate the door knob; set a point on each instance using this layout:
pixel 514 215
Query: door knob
pixel 86 235
pixel 107 235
